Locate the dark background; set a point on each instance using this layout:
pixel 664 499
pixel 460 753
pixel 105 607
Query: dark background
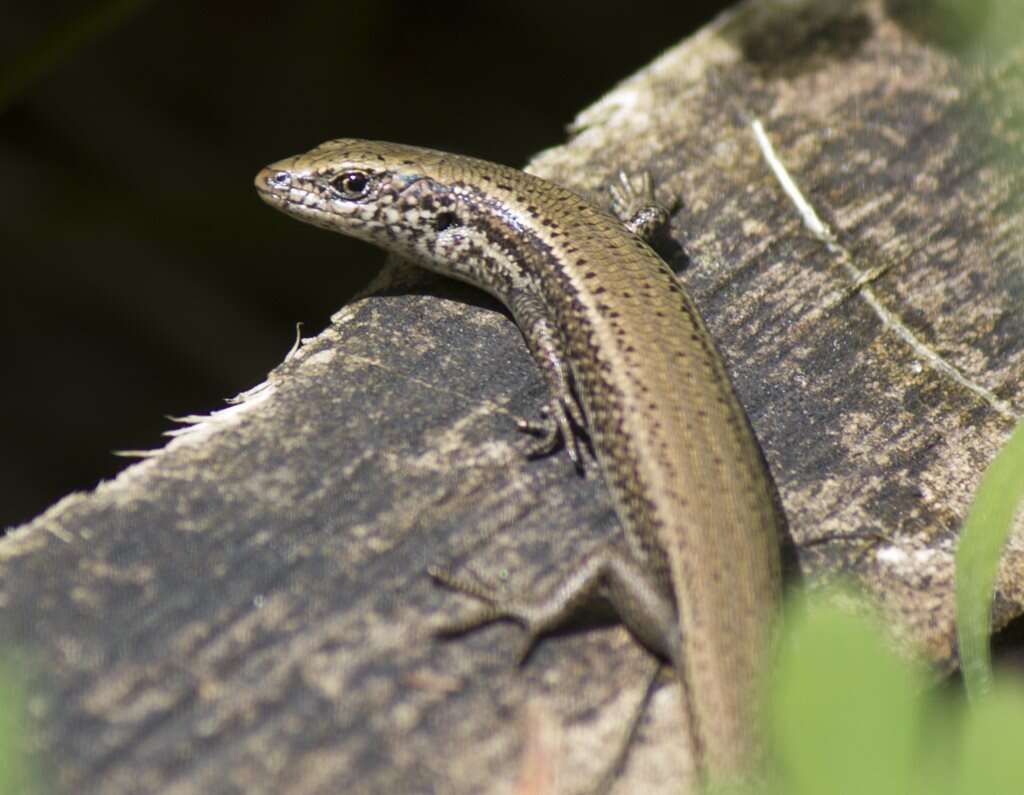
pixel 142 277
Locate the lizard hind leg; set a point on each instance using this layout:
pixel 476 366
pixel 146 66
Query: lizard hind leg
pixel 605 584
pixel 490 609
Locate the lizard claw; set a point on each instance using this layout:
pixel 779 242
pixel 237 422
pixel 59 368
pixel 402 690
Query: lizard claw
pixel 493 608
pixel 633 203
pixel 559 425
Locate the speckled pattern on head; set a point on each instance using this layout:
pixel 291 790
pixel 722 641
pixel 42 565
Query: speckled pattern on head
pixel 607 321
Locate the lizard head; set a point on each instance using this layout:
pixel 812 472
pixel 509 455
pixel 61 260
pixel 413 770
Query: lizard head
pixel 399 197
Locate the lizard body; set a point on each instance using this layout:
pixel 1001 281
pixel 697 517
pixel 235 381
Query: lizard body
pixel 629 362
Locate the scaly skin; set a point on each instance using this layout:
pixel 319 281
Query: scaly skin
pixel 698 580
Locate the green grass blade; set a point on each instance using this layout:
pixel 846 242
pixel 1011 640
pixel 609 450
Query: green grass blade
pixel 982 539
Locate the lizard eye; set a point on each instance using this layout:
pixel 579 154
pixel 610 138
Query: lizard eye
pixel 351 184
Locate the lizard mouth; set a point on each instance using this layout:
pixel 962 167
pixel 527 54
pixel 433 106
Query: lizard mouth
pixel 280 187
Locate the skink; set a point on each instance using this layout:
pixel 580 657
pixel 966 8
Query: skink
pixel 631 365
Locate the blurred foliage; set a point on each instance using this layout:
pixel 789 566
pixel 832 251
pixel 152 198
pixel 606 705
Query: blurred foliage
pixel 61 44
pixel 976 30
pixel 15 771
pixel 848 715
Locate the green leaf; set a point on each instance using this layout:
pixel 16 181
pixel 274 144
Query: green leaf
pixel 845 710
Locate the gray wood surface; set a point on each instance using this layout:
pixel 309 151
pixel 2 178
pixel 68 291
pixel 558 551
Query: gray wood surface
pixel 248 611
